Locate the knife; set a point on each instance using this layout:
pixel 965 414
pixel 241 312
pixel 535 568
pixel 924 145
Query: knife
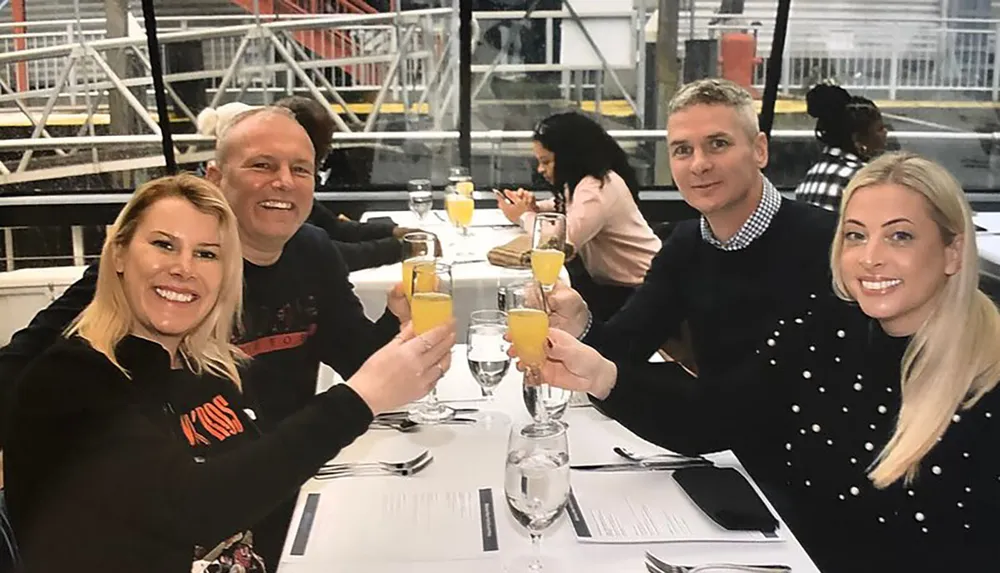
pixel 648 466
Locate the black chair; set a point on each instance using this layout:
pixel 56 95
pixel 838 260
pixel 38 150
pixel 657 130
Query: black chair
pixel 9 558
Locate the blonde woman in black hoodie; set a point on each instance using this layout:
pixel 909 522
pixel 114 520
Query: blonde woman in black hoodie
pixel 129 444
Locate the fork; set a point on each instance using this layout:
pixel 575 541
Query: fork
pixel 405 464
pixel 374 471
pixel 634 457
pixel 654 565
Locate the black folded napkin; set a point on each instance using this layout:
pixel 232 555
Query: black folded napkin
pixel 726 497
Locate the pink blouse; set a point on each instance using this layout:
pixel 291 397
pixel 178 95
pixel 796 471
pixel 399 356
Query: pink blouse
pixel 605 226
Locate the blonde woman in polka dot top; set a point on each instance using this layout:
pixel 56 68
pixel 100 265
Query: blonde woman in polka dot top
pixel 876 409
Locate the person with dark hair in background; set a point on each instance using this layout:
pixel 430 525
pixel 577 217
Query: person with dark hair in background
pixel 852 130
pixel 597 189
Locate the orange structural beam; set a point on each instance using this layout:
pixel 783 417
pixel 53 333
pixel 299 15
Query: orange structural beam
pixel 20 44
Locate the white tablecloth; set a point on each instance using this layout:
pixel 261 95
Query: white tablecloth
pixel 988 242
pixel 470 457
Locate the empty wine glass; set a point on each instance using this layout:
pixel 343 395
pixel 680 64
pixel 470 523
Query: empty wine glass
pixel 421 197
pixel 548 248
pixel 486 353
pixel 536 482
pixel 431 306
pixel 528 324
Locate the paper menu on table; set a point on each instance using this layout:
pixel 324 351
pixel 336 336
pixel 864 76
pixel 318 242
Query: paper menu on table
pixel 643 507
pixel 401 522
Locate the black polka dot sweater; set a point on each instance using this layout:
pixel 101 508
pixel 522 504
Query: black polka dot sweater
pixel 808 416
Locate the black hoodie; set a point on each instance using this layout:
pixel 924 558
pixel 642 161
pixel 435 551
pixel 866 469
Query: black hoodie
pixel 109 473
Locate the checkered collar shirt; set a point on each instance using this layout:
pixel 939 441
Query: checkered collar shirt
pixel 825 181
pixel 753 228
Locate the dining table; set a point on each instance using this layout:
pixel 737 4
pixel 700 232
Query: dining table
pixel 453 516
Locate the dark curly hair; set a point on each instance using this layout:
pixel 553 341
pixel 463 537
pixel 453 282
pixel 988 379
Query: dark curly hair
pixel 581 148
pixel 840 116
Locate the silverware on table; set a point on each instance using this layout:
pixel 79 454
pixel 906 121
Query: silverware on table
pixel 643 467
pixel 406 425
pixel 666 456
pixel 414 461
pixel 403 414
pixel 654 565
pixel 358 470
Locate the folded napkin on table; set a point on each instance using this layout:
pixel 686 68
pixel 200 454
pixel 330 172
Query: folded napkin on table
pixel 516 254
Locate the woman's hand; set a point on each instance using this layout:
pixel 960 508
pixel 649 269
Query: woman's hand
pixel 567 310
pixel 405 369
pixel 521 202
pixel 572 365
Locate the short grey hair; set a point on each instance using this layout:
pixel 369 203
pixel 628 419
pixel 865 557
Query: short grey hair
pixel 222 136
pixel 717 91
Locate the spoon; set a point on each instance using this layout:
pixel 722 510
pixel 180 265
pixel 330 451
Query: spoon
pixel 634 457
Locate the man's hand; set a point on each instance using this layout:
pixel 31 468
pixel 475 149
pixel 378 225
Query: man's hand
pixel 567 310
pixel 397 304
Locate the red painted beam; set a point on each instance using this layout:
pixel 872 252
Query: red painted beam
pixel 20 44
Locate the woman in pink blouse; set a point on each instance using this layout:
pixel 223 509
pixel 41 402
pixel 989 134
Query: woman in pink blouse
pixel 597 189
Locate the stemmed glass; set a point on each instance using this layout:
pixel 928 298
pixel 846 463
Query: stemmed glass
pixel 431 306
pixel 421 197
pixel 548 248
pixel 486 353
pixel 536 482
pixel 418 247
pixel 528 325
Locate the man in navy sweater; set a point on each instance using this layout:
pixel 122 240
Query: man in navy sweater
pixel 728 273
pixel 299 307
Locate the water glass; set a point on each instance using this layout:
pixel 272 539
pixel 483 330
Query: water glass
pixel 536 482
pixel 421 197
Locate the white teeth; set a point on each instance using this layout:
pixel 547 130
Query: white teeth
pixel 174 296
pixel 284 205
pixel 880 285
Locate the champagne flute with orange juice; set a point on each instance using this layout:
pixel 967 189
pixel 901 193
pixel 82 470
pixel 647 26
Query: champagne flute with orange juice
pixel 417 247
pixel 430 307
pixel 548 248
pixel 528 326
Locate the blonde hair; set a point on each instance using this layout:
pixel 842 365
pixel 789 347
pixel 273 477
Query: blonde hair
pixel 954 357
pixel 717 91
pixel 214 120
pixel 108 318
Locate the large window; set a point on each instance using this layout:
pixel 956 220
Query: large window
pixel 80 117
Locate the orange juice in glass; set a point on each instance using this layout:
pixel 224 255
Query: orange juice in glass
pixel 548 246
pixel 431 307
pixel 546 264
pixel 418 247
pixel 460 208
pixel 528 328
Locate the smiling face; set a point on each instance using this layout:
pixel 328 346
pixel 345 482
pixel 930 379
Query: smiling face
pixel 894 260
pixel 546 161
pixel 716 162
pixel 171 270
pixel 267 174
